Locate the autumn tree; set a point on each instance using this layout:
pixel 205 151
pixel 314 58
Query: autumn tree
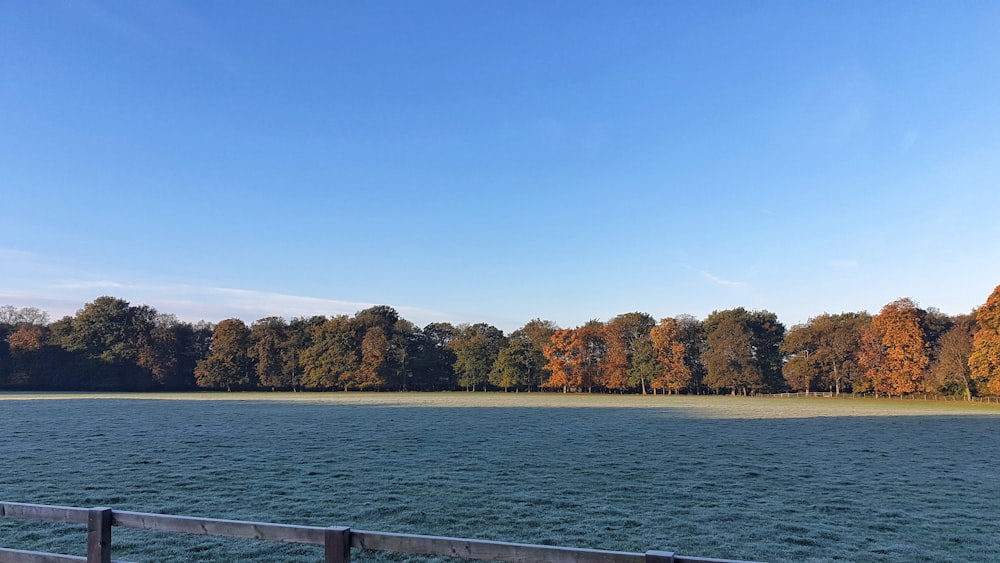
pixel 623 336
pixel 984 362
pixel 949 371
pixel 742 351
pixel 894 350
pixel 561 360
pixel 228 365
pixel 385 367
pixel 371 373
pixel 476 349
pixel 300 333
pixel 24 354
pixel 673 374
pixel 27 338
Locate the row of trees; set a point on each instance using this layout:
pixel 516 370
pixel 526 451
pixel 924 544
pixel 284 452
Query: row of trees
pixel 110 344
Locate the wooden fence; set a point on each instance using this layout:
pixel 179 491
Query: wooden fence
pixel 336 541
pixel 910 397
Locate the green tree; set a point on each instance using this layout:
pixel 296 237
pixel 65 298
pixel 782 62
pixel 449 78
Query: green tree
pixel 332 358
pixel 228 365
pixel 742 351
pixel 539 332
pixel 268 342
pixel 168 353
pixel 692 336
pixel 645 366
pixel 101 330
pixel 949 371
pixel 591 345
pixel 115 340
pixel 434 358
pixel 517 364
pixel 823 353
pixel 476 349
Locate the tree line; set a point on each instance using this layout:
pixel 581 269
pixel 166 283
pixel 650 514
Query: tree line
pixel 110 344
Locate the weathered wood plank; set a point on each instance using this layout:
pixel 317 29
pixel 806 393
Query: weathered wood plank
pixel 485 550
pixel 683 559
pixel 338 545
pixel 659 557
pixel 99 535
pixel 48 513
pixel 21 556
pixel 314 535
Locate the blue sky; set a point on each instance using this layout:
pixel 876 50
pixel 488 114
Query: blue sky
pixel 487 161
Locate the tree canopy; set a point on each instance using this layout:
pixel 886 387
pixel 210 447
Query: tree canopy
pixel 112 344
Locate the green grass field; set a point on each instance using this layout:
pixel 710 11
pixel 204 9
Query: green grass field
pixel 742 478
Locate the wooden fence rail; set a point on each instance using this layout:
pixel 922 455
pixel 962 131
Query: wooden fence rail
pixel 336 541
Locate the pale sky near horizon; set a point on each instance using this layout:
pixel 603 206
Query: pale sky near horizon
pixel 488 161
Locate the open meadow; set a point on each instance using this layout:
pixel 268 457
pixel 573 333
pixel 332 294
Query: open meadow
pixel 744 478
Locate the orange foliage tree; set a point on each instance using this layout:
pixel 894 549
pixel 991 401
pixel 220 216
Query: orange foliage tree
pixel 984 362
pixel 624 336
pixel 894 351
pixel 27 338
pixel 575 357
pixel 227 365
pixel 561 359
pixel 670 351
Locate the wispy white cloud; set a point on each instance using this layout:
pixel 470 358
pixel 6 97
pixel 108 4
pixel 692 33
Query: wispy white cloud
pixel 13 253
pixel 909 139
pixel 842 264
pixel 88 284
pixel 193 303
pixel 61 288
pixel 716 279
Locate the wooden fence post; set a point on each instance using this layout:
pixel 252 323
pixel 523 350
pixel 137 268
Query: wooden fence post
pixel 659 557
pixel 99 535
pixel 337 544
